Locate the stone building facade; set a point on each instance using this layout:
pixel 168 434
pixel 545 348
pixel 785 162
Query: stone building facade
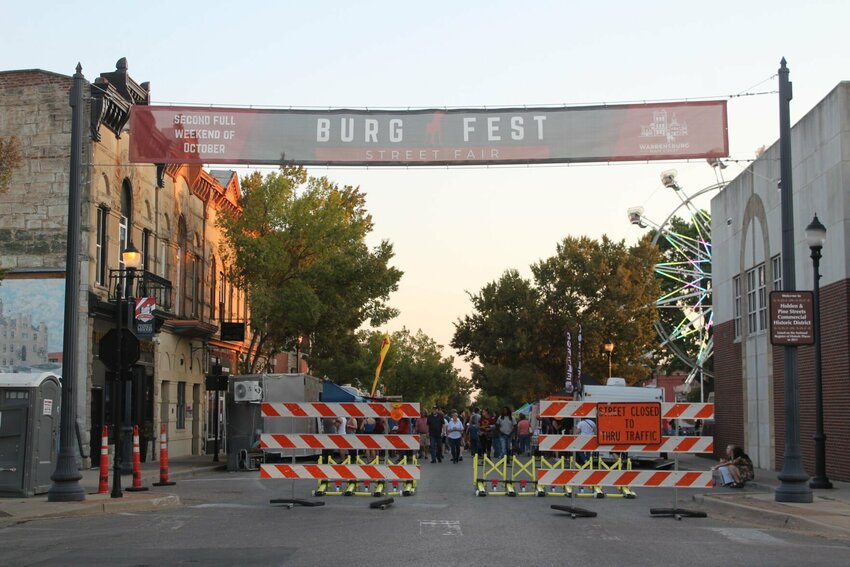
pixel 747 266
pixel 168 212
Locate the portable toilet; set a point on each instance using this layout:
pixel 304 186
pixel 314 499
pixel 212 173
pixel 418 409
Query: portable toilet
pixel 29 432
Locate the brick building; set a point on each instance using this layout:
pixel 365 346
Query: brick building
pixel 167 211
pixel 747 266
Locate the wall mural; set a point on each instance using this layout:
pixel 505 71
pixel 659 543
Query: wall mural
pixel 31 323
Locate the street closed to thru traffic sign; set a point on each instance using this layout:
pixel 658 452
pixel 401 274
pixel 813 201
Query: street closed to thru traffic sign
pixel 628 422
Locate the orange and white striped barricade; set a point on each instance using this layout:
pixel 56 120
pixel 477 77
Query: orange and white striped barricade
pixel 657 479
pixel 347 473
pixel 342 409
pixel 560 463
pixel 669 410
pixel 589 443
pixel 370 475
pixel 669 444
pixel 348 443
pixel 626 438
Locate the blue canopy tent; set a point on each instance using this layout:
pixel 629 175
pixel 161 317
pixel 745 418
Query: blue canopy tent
pixel 334 393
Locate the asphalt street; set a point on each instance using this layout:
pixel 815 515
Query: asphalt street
pixel 226 519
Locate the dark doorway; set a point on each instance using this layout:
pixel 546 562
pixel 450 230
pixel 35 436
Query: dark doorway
pixel 97 421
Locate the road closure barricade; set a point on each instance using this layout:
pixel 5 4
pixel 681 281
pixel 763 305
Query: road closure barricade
pixel 493 476
pixel 621 428
pixel 351 474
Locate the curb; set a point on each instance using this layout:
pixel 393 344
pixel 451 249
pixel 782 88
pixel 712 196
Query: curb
pixel 769 518
pixel 41 510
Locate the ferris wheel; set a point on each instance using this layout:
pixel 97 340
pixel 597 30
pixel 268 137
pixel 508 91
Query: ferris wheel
pixel 686 317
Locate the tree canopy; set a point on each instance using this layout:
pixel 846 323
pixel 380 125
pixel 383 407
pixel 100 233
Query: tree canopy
pixel 516 333
pixel 299 248
pixel 414 368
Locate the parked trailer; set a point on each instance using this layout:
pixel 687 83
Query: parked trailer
pixel 245 423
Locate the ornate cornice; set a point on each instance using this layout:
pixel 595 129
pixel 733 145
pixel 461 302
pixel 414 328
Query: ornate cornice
pixel 113 94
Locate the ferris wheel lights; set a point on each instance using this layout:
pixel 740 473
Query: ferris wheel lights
pixel 668 179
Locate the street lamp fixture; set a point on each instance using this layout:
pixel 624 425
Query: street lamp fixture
pixel 298 354
pixel 132 260
pixel 131 257
pixel 815 237
pixel 608 345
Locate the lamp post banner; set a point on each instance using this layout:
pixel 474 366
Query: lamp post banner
pixel 478 136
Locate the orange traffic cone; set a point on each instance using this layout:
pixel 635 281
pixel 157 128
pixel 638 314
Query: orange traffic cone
pixel 137 464
pixel 103 486
pixel 163 459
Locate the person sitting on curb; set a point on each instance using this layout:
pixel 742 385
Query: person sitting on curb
pixel 736 469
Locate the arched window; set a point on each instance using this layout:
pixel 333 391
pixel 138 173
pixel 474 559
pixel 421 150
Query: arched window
pixel 182 251
pixel 100 256
pixel 125 222
pixel 165 250
pixel 222 296
pixel 144 248
pixel 213 276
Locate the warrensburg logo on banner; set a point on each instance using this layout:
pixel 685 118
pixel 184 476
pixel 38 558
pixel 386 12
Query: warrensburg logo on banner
pixel 676 130
pixel 145 307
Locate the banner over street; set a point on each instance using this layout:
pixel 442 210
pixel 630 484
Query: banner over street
pixel 635 132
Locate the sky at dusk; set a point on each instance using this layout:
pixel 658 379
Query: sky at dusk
pixel 456 229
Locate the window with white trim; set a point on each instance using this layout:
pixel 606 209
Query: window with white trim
pixel 761 275
pixel 736 314
pixel 776 263
pixel 756 300
pixel 100 245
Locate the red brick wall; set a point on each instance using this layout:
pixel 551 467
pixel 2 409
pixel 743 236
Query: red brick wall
pixel 31 78
pixel 728 390
pixel 835 362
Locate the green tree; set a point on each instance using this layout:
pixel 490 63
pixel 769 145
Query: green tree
pixel 299 248
pixel 517 329
pixel 414 368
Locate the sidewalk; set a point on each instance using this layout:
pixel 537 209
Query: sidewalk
pixel 828 515
pixel 14 510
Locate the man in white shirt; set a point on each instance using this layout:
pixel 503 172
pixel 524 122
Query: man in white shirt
pixel 585 426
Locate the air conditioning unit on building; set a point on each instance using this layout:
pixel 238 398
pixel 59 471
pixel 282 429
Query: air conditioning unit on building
pixel 247 391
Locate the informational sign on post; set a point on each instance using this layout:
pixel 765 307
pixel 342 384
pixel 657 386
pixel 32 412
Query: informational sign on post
pixel 792 318
pixel 628 422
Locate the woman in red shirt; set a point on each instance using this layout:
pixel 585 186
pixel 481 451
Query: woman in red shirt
pixel 523 432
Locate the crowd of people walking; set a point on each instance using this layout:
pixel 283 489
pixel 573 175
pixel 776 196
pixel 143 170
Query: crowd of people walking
pixel 478 431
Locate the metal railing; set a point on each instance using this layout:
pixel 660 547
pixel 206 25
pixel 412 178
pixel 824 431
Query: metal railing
pixel 145 284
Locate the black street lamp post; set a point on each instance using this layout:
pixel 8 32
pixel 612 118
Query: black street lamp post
pixel 793 480
pixel 816 236
pixel 132 260
pixel 66 478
